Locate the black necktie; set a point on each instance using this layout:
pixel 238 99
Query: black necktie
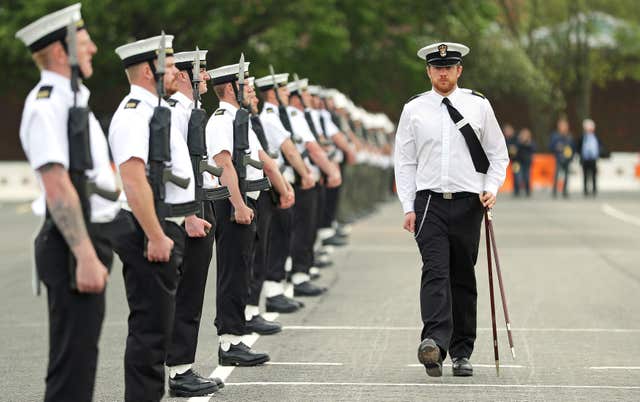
pixel 479 158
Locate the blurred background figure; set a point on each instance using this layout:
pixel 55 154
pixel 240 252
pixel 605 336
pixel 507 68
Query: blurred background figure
pixel 525 149
pixel 590 149
pixel 512 147
pixel 563 148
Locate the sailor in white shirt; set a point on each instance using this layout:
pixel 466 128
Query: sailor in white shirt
pixel 152 251
pixel 236 227
pixel 183 380
pixel 77 225
pixel 305 219
pixel 450 160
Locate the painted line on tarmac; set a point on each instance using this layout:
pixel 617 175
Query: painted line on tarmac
pixel 614 368
pixel 386 328
pixel 475 365
pixel 223 372
pixel 437 385
pixel 302 364
pixel 622 216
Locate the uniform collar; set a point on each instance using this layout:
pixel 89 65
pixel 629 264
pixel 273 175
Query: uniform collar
pixel 269 104
pixel 183 100
pixel 64 83
pixel 438 98
pixel 145 95
pixel 228 106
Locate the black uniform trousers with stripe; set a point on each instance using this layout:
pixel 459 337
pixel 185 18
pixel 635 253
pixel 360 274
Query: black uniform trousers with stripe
pixel 151 293
pixel 266 210
pixel 190 294
pixel 305 217
pixel 234 259
pixel 75 319
pixel 448 234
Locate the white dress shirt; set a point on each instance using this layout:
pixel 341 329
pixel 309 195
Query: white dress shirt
pixel 129 138
pixel 301 128
pixel 276 135
pixel 219 132
pixel 181 107
pixel 44 137
pixel 431 153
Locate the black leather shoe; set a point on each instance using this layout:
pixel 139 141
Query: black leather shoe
pixel 241 355
pixel 281 304
pixel 307 289
pixel 261 326
pixel 190 384
pixel 461 367
pixel 335 241
pixel 429 355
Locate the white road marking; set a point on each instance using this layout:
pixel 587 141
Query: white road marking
pixel 223 372
pixel 385 328
pixel 474 365
pixel 436 385
pixel 614 368
pixel 302 364
pixel 616 213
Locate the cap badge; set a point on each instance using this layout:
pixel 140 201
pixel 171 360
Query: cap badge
pixel 443 50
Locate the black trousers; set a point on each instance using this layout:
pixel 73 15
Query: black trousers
pixel 448 235
pixel 190 294
pixel 561 169
pixel 75 319
pixel 234 258
pixel 280 243
pixel 328 213
pixel 305 218
pixel 266 210
pixel 151 294
pixel 321 205
pixel 589 176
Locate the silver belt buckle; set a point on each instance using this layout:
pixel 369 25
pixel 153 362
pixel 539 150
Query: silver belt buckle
pixel 447 196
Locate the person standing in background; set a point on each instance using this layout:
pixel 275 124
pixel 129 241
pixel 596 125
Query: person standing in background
pixel 512 147
pixel 526 148
pixel 563 149
pixel 590 148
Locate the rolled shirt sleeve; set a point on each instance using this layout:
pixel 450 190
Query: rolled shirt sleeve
pixel 495 147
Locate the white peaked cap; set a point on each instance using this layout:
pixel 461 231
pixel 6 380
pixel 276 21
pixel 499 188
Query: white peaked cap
pixel 184 60
pixel 50 28
pixel 224 74
pixel 144 50
pixel 443 53
pixel 266 82
pixel 314 90
pixel 301 84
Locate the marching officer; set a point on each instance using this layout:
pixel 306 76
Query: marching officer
pixel 78 225
pixel 152 251
pixel 183 380
pixel 450 160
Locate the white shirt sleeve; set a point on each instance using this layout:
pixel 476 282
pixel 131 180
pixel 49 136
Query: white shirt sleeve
pixel 276 134
pixel 405 162
pixel 129 136
pixel 495 147
pixel 330 127
pixel 45 137
pixel 219 132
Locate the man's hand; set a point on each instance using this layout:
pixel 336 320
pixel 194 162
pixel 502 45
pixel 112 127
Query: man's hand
pixel 287 200
pixel 243 215
pixel 334 180
pixel 159 250
pixel 351 157
pixel 91 275
pixel 307 181
pixel 196 227
pixel 487 199
pixel 409 222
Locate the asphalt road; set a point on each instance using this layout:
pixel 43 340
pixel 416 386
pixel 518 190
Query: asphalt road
pixel 572 279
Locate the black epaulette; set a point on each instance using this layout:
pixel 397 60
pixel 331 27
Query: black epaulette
pixel 44 92
pixel 415 96
pixel 269 110
pixel 131 104
pixel 480 94
pixel 219 112
pixel 172 102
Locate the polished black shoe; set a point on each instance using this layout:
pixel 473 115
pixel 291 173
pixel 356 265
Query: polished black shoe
pixel 308 289
pixel 335 241
pixel 281 304
pixel 429 354
pixel 261 326
pixel 461 367
pixel 241 355
pixel 190 384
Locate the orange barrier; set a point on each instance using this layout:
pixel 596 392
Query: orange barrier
pixel 543 167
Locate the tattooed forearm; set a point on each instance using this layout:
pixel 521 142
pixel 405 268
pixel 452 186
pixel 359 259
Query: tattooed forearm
pixel 67 215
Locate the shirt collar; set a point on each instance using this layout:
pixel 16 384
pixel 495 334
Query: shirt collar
pixel 145 95
pixel 64 83
pixel 228 106
pixel 438 98
pixel 183 99
pixel 269 104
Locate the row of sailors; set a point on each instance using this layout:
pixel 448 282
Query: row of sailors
pixel 166 254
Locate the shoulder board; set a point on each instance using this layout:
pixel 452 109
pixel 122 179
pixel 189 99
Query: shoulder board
pixel 44 92
pixel 172 102
pixel 131 104
pixel 293 113
pixel 416 96
pixel 219 112
pixel 269 110
pixel 480 94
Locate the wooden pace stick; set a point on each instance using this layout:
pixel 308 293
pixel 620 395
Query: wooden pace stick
pixel 491 297
pixel 500 283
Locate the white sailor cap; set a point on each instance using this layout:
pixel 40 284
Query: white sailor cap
pixel 443 53
pixel 340 100
pixel 184 60
pixel 222 75
pixel 297 86
pixel 265 83
pixel 143 50
pixel 314 90
pixel 50 28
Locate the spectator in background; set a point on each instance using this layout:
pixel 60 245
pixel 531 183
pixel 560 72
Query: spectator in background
pixel 590 149
pixel 526 148
pixel 563 148
pixel 512 148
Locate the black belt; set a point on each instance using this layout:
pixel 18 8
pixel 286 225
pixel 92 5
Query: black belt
pixel 178 210
pixel 447 196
